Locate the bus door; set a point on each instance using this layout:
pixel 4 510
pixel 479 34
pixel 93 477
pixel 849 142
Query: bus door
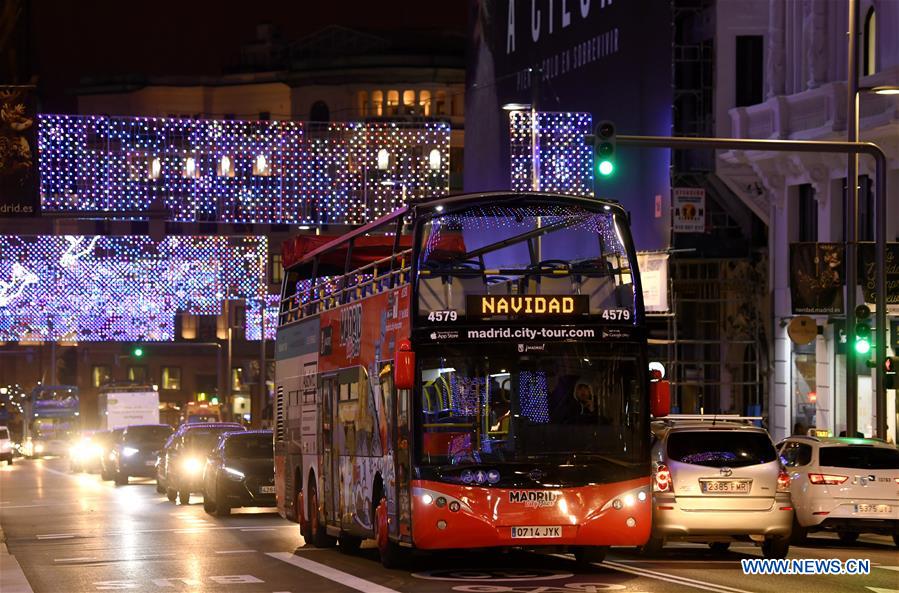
pixel 329 473
pixel 398 406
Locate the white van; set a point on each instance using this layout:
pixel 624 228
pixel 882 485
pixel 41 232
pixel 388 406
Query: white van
pixel 5 445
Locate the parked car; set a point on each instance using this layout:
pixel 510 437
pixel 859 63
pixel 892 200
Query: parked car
pixel 843 485
pixel 135 453
pixel 186 457
pixel 240 472
pixel 6 449
pixel 106 452
pixel 716 479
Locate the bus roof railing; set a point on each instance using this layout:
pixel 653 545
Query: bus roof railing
pixel 672 418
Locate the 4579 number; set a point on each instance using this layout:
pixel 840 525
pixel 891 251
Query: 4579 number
pixel 616 314
pixel 439 316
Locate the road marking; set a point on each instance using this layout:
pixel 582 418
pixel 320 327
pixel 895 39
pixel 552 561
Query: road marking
pixel 896 568
pixel 257 528
pixel 879 590
pixel 233 551
pixel 663 576
pixel 77 559
pixel 332 574
pixel 56 536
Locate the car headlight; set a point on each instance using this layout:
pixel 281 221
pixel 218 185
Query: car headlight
pixel 130 451
pixel 234 474
pixel 192 465
pixel 94 451
pixel 39 448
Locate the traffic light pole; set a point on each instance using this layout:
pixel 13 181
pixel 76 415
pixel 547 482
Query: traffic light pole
pixel 818 146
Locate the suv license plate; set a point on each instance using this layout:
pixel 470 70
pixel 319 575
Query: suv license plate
pixel 266 490
pixel 539 531
pixel 726 486
pixel 873 508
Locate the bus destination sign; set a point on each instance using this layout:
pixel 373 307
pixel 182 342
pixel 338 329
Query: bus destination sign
pixel 527 305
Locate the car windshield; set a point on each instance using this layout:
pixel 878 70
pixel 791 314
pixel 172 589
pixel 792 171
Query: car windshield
pixel 720 448
pixel 507 406
pixel 859 457
pixel 250 446
pixel 147 434
pixel 205 438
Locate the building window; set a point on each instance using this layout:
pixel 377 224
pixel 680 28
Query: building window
pixel 408 101
pixel 807 214
pixel 377 102
pixel 393 102
pixel 869 47
pixel 171 378
pixel 319 112
pixel 805 392
pixel 275 268
pixel 424 102
pixel 750 70
pixel 440 103
pixel 100 375
pixel 362 102
pixel 137 374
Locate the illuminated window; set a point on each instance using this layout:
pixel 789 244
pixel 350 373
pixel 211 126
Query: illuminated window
pixel 275 269
pixel 137 374
pixel 869 51
pixel 237 379
pixel 171 378
pixel 225 167
pixel 424 102
pixel 408 101
pixel 377 102
pixel 100 375
pixel 261 166
pixel 362 103
pixel 191 167
pixel 393 102
pixel 155 168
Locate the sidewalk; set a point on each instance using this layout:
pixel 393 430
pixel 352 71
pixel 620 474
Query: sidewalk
pixel 12 579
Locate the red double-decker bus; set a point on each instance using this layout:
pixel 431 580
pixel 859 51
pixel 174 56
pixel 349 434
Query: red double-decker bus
pixel 467 372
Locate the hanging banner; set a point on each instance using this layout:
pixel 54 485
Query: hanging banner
pixel 19 186
pixel 816 277
pixel 867 272
pixel 688 205
pixel 654 277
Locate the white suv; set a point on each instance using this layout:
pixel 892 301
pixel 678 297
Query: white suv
pixel 846 485
pixel 5 445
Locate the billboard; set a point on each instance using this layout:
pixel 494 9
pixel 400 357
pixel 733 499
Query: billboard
pixel 817 276
pixel 611 59
pixel 19 185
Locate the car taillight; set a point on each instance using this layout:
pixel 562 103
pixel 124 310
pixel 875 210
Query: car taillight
pixel 662 482
pixel 826 479
pixel 783 482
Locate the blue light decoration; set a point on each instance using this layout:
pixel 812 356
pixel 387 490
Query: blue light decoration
pixel 564 161
pixel 534 395
pixel 238 171
pixel 93 288
pixel 254 319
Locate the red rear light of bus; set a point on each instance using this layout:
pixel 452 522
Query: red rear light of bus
pixel 826 479
pixel 783 481
pixel 662 482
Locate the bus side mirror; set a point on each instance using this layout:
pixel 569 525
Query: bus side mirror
pixel 404 366
pixel 659 395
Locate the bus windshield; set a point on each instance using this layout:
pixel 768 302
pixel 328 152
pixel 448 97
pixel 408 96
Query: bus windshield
pixel 533 249
pixel 568 402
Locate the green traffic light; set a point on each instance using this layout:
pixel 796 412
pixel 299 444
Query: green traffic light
pixel 606 168
pixel 862 346
pixel 138 352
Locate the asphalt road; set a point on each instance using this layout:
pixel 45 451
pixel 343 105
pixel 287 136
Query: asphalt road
pixel 73 533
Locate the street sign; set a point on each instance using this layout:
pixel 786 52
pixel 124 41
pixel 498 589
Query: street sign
pixel 802 330
pixel 688 204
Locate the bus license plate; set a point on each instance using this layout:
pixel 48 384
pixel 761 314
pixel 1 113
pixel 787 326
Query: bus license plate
pixel 266 490
pixel 538 531
pixel 726 486
pixel 873 508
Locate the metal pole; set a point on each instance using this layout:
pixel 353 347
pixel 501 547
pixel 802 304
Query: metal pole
pixel 852 222
pixel 257 412
pixel 880 165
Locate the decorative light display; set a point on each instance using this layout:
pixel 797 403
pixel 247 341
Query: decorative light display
pixel 271 317
pixel 239 171
pixel 91 288
pixel 534 396
pixel 564 160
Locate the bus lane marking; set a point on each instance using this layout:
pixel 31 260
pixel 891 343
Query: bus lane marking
pixel 668 577
pixel 332 574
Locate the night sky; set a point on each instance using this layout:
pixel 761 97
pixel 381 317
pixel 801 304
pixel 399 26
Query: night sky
pixel 101 39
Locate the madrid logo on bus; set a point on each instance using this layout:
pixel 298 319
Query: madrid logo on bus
pixel 533 498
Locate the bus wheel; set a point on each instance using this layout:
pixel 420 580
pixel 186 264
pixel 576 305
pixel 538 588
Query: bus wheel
pixel 392 555
pixel 171 494
pixel 302 518
pixel 588 555
pixel 319 536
